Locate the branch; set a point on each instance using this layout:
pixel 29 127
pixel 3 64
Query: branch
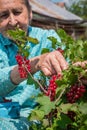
pixel 42 88
pixel 60 95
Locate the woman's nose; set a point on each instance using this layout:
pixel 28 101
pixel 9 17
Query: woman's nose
pixel 12 20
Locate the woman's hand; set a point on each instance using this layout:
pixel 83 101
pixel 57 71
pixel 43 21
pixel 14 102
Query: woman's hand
pixel 49 63
pixel 52 63
pixel 83 65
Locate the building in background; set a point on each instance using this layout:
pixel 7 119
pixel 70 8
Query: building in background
pixel 48 15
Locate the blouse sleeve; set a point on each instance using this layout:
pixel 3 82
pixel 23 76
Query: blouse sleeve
pixel 6 85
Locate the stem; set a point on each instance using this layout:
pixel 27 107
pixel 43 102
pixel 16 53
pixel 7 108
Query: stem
pixel 42 88
pixel 60 95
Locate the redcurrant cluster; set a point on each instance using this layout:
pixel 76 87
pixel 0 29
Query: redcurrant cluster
pixel 52 87
pixel 24 66
pixel 75 93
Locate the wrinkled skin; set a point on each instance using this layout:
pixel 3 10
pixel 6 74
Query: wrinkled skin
pixel 13 13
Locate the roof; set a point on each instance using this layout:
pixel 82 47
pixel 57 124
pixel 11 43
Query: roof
pixel 48 15
pixel 46 7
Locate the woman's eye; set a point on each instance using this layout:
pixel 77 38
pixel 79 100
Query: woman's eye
pixel 17 12
pixel 3 16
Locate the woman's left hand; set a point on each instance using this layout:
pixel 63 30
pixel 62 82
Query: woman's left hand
pixel 83 65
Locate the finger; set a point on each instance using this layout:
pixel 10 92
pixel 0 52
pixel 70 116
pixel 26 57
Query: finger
pixel 46 71
pixel 45 67
pixel 84 81
pixel 62 61
pixel 77 64
pixel 82 64
pixel 52 66
pixel 55 65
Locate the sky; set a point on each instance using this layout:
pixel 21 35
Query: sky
pixel 68 2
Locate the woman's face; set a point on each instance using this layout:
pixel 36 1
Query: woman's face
pixel 13 13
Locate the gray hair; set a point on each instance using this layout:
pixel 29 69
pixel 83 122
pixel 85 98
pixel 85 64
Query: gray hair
pixel 26 2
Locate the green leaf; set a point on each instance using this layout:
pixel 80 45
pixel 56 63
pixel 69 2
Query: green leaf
pixel 83 128
pixel 60 82
pixel 31 81
pixel 20 38
pixel 44 101
pixel 83 108
pixel 49 128
pixel 64 120
pixel 45 50
pixel 54 41
pixel 25 53
pixel 45 122
pixel 36 115
pixel 67 107
pixel 33 40
pixel 16 34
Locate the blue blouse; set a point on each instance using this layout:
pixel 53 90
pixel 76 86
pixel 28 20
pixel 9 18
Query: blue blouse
pixel 21 95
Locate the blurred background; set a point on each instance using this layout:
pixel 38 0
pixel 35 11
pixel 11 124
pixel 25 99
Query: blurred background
pixel 70 15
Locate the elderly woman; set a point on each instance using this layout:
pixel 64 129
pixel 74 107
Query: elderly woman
pixel 13 114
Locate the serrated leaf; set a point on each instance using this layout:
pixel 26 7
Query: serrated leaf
pixel 44 101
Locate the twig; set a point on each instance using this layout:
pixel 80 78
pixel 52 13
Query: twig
pixel 42 88
pixel 60 96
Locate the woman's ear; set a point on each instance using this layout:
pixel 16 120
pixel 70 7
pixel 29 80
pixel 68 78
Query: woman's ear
pixel 31 15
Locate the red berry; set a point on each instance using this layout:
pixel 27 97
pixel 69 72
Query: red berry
pixel 24 66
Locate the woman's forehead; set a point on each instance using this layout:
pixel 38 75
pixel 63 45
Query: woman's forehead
pixel 9 2
pixel 6 4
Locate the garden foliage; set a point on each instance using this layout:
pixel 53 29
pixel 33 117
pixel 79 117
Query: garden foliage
pixel 62 103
